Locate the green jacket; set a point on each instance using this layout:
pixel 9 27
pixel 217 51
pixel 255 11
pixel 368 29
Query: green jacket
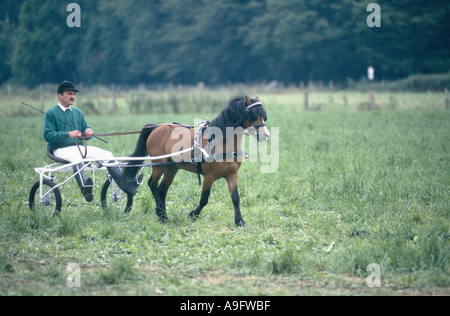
pixel 58 124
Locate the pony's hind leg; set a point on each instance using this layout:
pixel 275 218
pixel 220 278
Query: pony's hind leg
pixel 153 184
pixel 166 182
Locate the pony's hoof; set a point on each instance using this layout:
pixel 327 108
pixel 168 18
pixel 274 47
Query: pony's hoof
pixel 163 219
pixel 192 216
pixel 240 223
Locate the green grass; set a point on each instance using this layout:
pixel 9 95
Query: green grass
pixel 352 188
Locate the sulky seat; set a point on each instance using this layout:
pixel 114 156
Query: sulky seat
pixel 55 159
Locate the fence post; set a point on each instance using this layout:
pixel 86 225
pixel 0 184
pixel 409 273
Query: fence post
pixel 8 88
pixel 306 107
pixel 113 99
pixel 447 102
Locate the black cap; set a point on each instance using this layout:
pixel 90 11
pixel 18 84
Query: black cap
pixel 66 86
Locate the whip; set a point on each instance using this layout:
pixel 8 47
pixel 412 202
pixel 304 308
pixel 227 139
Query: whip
pixel 68 123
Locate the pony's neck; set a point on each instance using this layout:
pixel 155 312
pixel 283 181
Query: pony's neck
pixel 232 142
pixel 228 118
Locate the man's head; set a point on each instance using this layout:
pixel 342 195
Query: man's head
pixel 66 93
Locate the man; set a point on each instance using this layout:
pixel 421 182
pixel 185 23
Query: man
pixel 64 124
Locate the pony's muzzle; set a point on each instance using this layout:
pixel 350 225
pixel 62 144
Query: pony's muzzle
pixel 263 134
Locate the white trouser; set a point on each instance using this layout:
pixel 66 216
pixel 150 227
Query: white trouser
pixel 72 153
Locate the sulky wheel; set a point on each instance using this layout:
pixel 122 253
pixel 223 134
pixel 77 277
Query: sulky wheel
pixel 113 198
pixel 51 198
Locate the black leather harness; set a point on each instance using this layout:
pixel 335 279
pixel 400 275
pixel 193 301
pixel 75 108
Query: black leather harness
pixel 198 158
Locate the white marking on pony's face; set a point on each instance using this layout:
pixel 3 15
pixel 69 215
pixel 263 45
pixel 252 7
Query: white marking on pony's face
pixel 263 133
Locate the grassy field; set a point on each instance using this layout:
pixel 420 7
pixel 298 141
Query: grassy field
pixel 353 187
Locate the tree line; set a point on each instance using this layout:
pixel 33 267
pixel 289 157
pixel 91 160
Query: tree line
pixel 220 41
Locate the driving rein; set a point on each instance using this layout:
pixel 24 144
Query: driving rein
pixel 117 134
pixel 173 123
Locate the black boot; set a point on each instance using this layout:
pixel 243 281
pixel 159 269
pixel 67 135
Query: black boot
pixel 84 183
pixel 127 186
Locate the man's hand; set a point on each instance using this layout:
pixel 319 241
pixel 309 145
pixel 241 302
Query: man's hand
pixel 75 134
pixel 89 132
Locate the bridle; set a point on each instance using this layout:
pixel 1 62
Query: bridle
pixel 248 108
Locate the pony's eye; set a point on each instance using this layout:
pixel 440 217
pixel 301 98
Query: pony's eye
pixel 253 117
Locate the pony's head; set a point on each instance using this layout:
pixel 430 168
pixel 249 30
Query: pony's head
pixel 256 117
pixel 244 112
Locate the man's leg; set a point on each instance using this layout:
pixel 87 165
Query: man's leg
pixel 84 183
pixel 95 152
pixel 72 154
pixel 129 186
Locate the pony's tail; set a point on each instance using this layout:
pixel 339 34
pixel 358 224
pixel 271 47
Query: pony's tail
pixel 139 151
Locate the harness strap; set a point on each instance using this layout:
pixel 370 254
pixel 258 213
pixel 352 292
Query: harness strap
pixel 198 167
pixel 196 148
pixel 227 155
pixel 253 105
pixel 259 125
pixel 85 148
pixel 232 154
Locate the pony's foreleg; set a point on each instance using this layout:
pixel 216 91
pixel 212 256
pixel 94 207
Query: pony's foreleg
pixel 232 181
pixel 206 190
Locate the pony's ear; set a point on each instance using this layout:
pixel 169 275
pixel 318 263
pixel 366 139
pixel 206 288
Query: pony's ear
pixel 249 102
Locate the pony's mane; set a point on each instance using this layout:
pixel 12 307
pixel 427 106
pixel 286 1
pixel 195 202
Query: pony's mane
pixel 235 114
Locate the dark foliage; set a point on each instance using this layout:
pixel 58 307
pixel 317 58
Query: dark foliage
pixel 220 41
